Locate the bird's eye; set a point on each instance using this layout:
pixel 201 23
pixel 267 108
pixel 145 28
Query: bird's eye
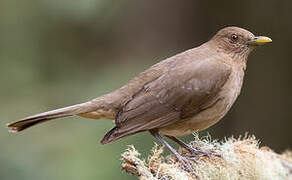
pixel 234 37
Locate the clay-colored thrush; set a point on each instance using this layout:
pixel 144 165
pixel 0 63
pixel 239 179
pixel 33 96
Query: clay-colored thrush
pixel 180 95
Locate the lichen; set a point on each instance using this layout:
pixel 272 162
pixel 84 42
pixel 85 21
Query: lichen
pixel 232 158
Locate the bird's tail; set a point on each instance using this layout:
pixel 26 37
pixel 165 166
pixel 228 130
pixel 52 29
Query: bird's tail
pixel 46 116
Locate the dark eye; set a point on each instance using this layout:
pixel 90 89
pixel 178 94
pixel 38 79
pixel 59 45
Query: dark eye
pixel 234 37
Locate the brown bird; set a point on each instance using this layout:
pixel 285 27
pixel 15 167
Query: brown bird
pixel 180 95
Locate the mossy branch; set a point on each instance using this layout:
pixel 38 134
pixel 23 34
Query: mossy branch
pixel 240 158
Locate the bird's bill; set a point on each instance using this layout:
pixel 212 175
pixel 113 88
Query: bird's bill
pixel 259 40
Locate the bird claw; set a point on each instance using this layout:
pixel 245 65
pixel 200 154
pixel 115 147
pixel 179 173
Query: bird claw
pixel 199 152
pixel 203 153
pixel 187 165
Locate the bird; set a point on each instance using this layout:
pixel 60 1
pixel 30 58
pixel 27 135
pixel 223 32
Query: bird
pixel 180 95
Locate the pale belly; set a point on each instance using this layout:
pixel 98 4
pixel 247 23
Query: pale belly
pixel 197 123
pixel 209 116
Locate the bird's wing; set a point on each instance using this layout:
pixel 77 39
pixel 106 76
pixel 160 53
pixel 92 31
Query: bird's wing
pixel 180 93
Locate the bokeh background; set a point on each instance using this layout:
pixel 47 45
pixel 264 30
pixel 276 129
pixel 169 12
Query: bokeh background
pixel 55 53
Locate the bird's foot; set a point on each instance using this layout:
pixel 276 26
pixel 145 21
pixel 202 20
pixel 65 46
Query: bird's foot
pixel 185 162
pixel 195 153
pixel 187 165
pixel 198 152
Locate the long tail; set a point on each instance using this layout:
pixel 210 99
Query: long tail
pixel 46 116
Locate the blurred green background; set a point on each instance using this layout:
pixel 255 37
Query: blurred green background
pixel 55 53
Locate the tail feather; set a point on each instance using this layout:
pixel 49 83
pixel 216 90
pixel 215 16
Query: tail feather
pixel 43 117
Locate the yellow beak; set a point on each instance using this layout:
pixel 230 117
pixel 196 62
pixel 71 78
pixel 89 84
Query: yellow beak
pixel 259 40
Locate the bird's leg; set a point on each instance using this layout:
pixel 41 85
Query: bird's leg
pixel 177 155
pixel 187 147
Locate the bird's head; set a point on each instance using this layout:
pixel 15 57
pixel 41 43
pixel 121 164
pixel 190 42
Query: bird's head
pixel 237 42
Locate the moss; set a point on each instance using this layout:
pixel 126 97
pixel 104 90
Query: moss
pixel 233 158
